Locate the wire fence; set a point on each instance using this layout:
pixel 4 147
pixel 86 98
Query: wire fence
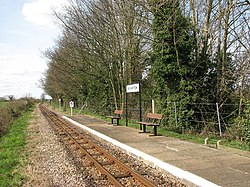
pixel 199 118
pixel 196 118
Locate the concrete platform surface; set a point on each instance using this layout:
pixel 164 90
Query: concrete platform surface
pixel 218 166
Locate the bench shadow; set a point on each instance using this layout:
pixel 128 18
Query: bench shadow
pixel 144 132
pixel 155 135
pixel 114 124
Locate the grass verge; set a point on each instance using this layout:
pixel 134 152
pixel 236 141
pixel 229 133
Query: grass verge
pixel 11 152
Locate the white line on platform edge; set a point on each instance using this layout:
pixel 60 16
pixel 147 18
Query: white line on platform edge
pixel 182 174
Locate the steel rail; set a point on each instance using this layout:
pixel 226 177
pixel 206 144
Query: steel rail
pixel 65 127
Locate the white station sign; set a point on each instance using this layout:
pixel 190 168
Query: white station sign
pixel 133 88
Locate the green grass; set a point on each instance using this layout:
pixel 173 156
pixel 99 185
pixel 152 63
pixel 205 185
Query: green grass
pixel 236 144
pixel 4 103
pixel 12 152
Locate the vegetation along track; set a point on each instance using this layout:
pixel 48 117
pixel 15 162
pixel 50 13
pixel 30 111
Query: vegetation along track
pixel 108 169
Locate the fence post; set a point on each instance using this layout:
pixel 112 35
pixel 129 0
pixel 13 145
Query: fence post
pixel 218 115
pixel 126 109
pixel 175 115
pixel 59 101
pixel 153 106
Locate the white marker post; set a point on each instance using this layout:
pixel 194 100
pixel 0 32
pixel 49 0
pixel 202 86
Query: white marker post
pixel 71 105
pixel 59 105
pixel 153 106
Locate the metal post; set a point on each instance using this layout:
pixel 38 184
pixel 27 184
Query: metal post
pixel 175 115
pixel 71 105
pixel 218 115
pixel 126 109
pixel 153 106
pixel 140 101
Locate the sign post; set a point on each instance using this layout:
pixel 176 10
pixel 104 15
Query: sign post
pixel 132 88
pixel 71 105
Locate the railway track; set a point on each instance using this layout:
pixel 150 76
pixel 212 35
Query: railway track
pixel 110 169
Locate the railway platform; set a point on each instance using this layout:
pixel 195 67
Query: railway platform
pixel 198 165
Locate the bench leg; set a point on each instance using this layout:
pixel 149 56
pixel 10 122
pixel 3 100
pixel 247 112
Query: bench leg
pixel 112 121
pixel 155 130
pixel 117 121
pixel 144 128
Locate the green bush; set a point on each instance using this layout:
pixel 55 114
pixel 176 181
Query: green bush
pixel 16 108
pixel 241 129
pixel 12 110
pixel 5 119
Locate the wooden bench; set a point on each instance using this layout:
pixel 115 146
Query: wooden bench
pixel 117 115
pixel 152 120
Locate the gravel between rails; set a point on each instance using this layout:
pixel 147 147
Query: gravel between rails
pixel 52 164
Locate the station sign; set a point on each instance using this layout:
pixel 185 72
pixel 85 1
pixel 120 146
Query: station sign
pixel 133 88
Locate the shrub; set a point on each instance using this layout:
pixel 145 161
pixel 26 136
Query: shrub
pixel 12 110
pixel 5 119
pixel 242 125
pixel 16 108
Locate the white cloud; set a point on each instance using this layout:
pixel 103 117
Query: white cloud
pixel 40 12
pixel 20 73
pixel 20 48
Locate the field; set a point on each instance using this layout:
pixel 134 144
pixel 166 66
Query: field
pixel 3 103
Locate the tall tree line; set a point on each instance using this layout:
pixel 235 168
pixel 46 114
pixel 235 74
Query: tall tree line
pixel 190 51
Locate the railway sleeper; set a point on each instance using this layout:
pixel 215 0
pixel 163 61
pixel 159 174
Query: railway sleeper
pixel 88 165
pixel 100 177
pixel 73 134
pixel 89 147
pixel 79 138
pixel 105 163
pixel 96 154
pixel 70 142
pixel 66 139
pixel 61 133
pixel 83 155
pixel 142 173
pixel 122 175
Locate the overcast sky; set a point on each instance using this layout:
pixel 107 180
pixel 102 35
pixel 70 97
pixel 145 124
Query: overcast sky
pixel 27 28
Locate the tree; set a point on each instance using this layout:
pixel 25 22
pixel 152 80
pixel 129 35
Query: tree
pixel 173 69
pixel 104 46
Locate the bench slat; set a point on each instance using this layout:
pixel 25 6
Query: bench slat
pixel 120 112
pixel 154 116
